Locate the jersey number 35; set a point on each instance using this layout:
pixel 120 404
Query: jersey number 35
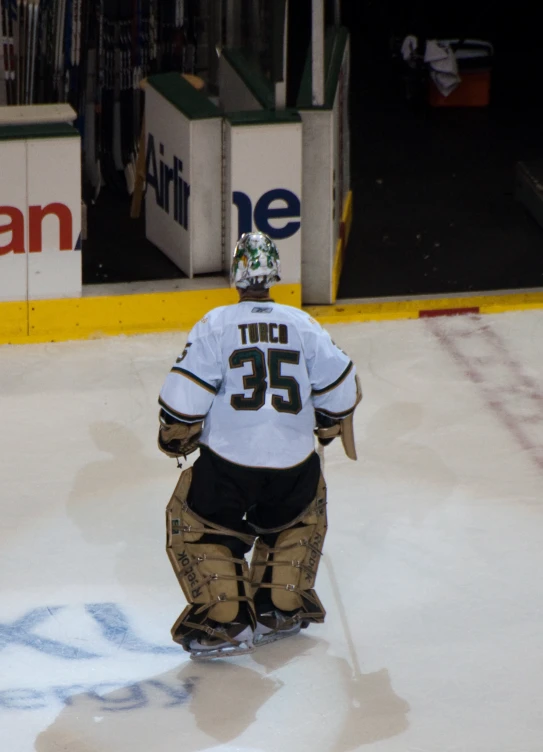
pixel 257 381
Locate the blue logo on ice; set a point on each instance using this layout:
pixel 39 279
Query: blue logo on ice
pixel 160 176
pixel 263 212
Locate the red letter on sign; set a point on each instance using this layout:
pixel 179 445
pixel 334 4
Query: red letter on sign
pixel 35 219
pixel 17 229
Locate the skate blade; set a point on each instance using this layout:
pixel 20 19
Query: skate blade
pixel 274 637
pixel 227 652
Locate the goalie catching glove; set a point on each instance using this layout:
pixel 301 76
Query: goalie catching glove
pixel 328 428
pixel 178 439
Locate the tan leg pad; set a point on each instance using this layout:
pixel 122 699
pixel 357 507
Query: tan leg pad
pixel 295 559
pixel 207 572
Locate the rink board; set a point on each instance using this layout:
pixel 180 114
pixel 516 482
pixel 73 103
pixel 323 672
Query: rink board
pixel 110 315
pixel 98 316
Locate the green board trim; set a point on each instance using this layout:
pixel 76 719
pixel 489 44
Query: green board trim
pixel 263 117
pixel 249 71
pixel 184 97
pixel 334 50
pixel 37 130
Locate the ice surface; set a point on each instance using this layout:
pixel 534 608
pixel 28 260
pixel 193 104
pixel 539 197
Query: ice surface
pixel 433 641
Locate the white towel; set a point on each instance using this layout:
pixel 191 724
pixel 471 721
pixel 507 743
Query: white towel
pixel 409 48
pixel 443 66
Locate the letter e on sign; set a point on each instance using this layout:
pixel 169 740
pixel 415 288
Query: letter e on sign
pixel 264 212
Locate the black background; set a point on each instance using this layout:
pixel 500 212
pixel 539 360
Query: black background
pixel 434 187
pixel 434 205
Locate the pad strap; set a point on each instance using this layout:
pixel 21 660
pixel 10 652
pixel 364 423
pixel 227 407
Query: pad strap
pixel 215 582
pixel 289 567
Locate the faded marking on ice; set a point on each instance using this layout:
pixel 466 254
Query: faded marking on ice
pixel 109 697
pixel 20 633
pixel 116 630
pixel 114 627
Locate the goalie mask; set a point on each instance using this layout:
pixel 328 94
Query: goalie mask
pixel 256 262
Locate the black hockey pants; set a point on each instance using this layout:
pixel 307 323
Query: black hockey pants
pixel 232 496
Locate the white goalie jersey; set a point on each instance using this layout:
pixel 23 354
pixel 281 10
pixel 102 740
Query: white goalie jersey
pixel 255 372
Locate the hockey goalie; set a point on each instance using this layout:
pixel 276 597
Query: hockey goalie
pixel 256 382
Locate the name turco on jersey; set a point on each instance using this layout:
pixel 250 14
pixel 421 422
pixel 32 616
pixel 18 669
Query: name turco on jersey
pixel 263 332
pixel 256 373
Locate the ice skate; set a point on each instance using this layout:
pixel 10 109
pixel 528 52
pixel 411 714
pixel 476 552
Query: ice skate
pixel 223 641
pixel 275 625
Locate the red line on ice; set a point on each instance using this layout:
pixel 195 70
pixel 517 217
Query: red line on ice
pixel 501 356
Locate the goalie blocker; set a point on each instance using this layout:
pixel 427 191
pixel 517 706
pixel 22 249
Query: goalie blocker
pixel 177 438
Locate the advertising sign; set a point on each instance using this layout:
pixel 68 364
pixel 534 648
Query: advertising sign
pixel 40 219
pixel 13 221
pixel 54 218
pixel 264 168
pixel 183 179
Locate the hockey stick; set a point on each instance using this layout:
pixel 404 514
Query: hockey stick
pixel 32 23
pixel 5 45
pixel 357 671
pixel 11 24
pixel 19 50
